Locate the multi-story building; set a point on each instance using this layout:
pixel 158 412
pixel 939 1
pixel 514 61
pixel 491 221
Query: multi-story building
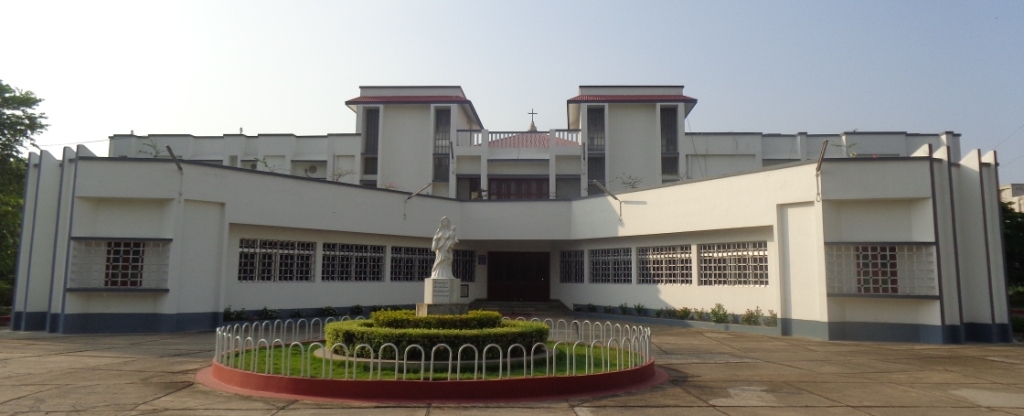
pixel 856 235
pixel 1013 193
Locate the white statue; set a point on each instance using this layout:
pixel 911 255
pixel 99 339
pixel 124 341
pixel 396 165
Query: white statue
pixel 443 245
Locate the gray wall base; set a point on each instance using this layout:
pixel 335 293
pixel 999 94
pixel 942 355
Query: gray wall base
pixel 86 323
pixel 804 328
pixel 988 332
pixel 887 332
pixel 34 321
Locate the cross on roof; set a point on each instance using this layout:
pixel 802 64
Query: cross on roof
pixel 531 113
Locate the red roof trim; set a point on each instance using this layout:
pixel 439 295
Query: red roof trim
pixel 616 98
pixel 408 99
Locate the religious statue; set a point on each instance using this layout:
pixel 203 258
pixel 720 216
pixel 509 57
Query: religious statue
pixel 443 245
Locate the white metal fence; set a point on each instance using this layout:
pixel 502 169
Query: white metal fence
pixel 238 346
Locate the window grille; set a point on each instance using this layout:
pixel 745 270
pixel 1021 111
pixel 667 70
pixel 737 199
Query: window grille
pixel 275 260
pixel 665 265
pixel 352 262
pixel 595 129
pixel 734 264
pixel 464 266
pixel 611 265
pixel 442 131
pixel 135 264
pixel 670 165
pixel 441 168
pixel 410 264
pixel 370 166
pixel 881 269
pixel 669 130
pixel 571 269
pixel 372 131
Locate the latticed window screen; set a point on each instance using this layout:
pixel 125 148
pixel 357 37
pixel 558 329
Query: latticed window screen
pixel 571 269
pixel 352 262
pixel 410 264
pixel 464 265
pixel 275 260
pixel 882 269
pixel 119 264
pixel 665 265
pixel 734 264
pixel 611 265
pixel 595 129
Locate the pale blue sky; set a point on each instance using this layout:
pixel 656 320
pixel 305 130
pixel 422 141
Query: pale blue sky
pixel 208 68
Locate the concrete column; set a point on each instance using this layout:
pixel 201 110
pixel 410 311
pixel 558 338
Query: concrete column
pixel 484 193
pixel 551 165
pixel 801 144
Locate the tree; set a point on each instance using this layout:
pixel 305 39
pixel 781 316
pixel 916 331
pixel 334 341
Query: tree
pixel 19 122
pixel 1013 238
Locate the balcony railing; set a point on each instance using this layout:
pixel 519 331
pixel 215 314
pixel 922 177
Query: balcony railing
pixel 518 139
pixel 468 137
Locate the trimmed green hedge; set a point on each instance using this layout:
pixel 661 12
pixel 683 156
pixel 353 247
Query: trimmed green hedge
pixel 403 319
pixel 353 333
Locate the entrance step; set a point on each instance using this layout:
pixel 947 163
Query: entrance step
pixel 535 309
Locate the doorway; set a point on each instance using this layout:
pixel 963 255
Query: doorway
pixel 518 276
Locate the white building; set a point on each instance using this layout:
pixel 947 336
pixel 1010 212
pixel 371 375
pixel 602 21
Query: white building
pixel 1013 193
pixel 891 236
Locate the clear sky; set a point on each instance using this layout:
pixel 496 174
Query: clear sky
pixel 210 67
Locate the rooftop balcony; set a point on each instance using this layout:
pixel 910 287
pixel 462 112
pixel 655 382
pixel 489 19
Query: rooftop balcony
pixel 518 144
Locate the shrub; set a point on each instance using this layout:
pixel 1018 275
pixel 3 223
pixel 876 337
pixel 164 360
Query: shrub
pixel 752 316
pixel 591 307
pixel 666 312
pixel 230 315
pixel 328 311
pixel 577 308
pixel 639 308
pixel 376 308
pixel 624 308
pixel 683 313
pixel 6 294
pixel 773 318
pixel 355 310
pixel 1018 323
pixel 266 314
pixel 298 314
pixel 1017 296
pixel 719 315
pixel 353 333
pixel 408 320
pixel 608 309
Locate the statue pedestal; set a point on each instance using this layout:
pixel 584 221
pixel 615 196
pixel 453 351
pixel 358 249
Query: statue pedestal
pixel 441 297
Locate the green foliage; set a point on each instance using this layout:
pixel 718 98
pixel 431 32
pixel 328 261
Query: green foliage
pixel 376 308
pixel 352 333
pixel 230 315
pixel 327 311
pixel 355 310
pixel 298 314
pixel 719 315
pixel 1013 238
pixel 702 315
pixel 19 122
pixel 591 307
pixel 752 316
pixel 1018 324
pixel 266 314
pixel 624 308
pixel 640 310
pixel 408 320
pixel 683 313
pixel 773 318
pixel 666 312
pixel 1017 297
pixel 577 308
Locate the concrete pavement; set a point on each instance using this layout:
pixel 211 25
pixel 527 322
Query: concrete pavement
pixel 713 373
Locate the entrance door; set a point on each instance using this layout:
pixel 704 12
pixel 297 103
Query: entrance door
pixel 518 276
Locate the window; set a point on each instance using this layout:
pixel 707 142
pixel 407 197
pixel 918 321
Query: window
pixel 352 262
pixel 410 264
pixel 669 130
pixel 670 165
pixel 734 264
pixel 370 166
pixel 595 172
pixel 595 129
pixel 611 265
pixel 442 131
pixel 665 265
pixel 129 264
pixel 464 265
pixel 441 168
pixel 275 260
pixel 876 270
pixel 371 129
pixel 519 189
pixel 881 269
pixel 571 268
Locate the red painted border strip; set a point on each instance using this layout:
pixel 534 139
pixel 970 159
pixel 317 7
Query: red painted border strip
pixel 231 380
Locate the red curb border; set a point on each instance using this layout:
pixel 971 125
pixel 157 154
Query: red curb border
pixel 219 377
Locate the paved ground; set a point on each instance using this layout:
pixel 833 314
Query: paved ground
pixel 713 373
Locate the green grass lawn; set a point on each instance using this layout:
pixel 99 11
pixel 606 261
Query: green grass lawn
pixel 318 370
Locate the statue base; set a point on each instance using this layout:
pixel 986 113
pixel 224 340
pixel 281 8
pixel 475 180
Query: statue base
pixel 424 309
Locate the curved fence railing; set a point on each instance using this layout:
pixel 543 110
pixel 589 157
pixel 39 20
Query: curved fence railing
pixel 587 348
